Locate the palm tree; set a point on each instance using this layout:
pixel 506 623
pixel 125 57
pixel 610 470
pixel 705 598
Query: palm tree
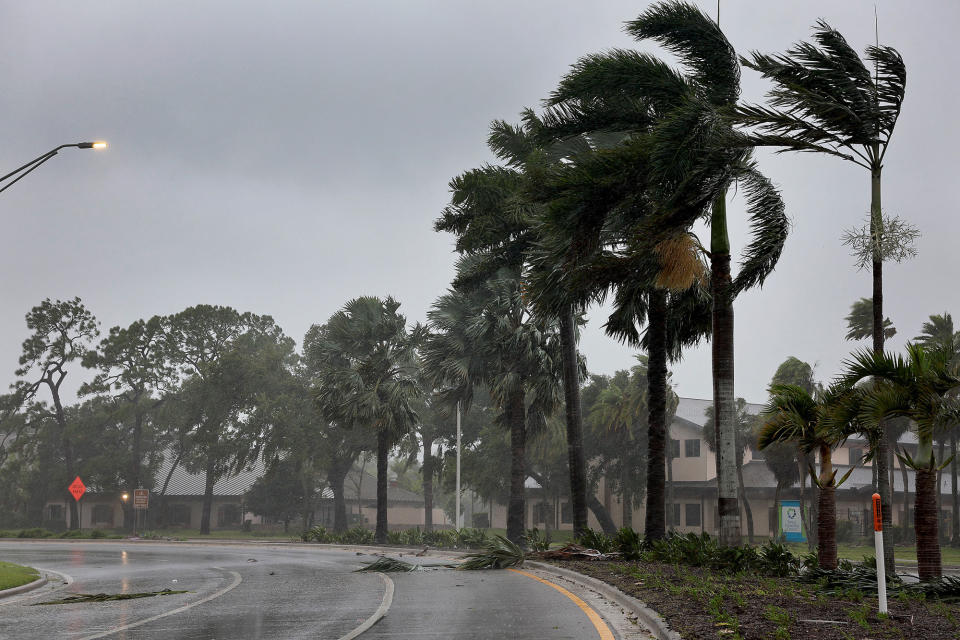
pixel 938 333
pixel 826 100
pixel 794 415
pixel 678 160
pixel 496 222
pixel 485 335
pixel 860 321
pixel 367 377
pixel 916 387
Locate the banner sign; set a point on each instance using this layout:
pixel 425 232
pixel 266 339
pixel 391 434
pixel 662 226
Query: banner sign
pixel 791 524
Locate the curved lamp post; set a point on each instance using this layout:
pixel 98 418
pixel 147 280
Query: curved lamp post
pixel 36 162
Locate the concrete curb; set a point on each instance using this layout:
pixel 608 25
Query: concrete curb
pixel 646 615
pixel 30 586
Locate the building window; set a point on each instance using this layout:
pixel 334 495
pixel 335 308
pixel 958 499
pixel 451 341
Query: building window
pixel 674 448
pixel 180 515
pixel 693 513
pixel 103 514
pixel 856 455
pixel 566 513
pixel 543 512
pixel 673 515
pixel 691 448
pixel 228 514
pixel 55 512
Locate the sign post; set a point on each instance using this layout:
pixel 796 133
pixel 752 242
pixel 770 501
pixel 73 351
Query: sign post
pixel 141 499
pixel 791 524
pixel 77 489
pixel 878 543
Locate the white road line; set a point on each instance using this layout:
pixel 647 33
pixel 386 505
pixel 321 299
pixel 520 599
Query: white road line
pixel 236 580
pixel 379 613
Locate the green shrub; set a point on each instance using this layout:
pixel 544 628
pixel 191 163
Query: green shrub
pixel 356 535
pixel 597 540
pixel 97 533
pixel 777 560
pixel 7 534
pixel 471 538
pixel 440 538
pixel 36 532
pixel 317 534
pixel 72 533
pixel 629 543
pixel 397 538
pixel 537 540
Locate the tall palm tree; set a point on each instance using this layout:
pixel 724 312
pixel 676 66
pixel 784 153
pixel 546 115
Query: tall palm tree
pixel 678 160
pixel 938 333
pixel 367 377
pixel 919 387
pixel 496 222
pixel 794 415
pixel 826 100
pixel 485 335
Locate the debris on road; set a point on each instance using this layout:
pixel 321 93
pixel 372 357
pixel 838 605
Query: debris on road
pixel 106 597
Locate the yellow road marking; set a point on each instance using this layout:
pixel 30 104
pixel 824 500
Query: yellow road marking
pixel 598 623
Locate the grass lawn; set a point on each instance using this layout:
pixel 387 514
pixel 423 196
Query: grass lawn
pixel 949 555
pixel 229 534
pixel 13 575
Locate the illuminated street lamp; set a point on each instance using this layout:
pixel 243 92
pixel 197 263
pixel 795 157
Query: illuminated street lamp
pixel 36 162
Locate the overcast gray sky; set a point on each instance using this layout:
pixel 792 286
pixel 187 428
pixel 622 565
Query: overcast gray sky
pixel 283 157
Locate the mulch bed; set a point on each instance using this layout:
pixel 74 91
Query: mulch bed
pixel 701 603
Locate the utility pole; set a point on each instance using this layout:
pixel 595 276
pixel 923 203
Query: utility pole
pixel 457 519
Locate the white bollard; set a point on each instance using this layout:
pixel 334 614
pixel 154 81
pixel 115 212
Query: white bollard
pixel 878 542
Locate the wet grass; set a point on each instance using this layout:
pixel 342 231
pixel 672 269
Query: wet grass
pixel 14 575
pixel 949 555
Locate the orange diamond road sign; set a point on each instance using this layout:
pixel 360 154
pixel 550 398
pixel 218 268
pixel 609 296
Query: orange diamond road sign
pixel 77 488
pixel 141 498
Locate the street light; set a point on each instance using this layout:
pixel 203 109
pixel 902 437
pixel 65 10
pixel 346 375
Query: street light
pixel 36 162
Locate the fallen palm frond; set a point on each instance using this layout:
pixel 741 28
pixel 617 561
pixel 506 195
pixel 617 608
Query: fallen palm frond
pixel 574 552
pixel 498 553
pixel 105 597
pixel 391 565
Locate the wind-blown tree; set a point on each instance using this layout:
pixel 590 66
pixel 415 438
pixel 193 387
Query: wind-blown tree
pixel 63 331
pixel 745 438
pixel 794 415
pixel 860 321
pixel 917 387
pixel 938 334
pixel 497 223
pixel 826 100
pixel 229 363
pixel 679 159
pixel 133 368
pixel 367 378
pixel 486 336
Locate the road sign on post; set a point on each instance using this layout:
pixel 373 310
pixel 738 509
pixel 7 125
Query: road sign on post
pixel 77 488
pixel 141 498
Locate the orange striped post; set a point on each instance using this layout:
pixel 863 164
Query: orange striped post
pixel 878 543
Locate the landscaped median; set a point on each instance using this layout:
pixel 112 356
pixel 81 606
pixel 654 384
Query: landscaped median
pixel 703 590
pixel 14 575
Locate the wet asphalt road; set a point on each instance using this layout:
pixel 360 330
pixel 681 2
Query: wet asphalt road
pixel 287 592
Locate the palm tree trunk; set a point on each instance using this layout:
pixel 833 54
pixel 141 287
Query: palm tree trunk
pixel 516 416
pixel 383 452
pixel 601 514
pixel 955 514
pixel 905 476
pixel 881 459
pixel 925 525
pixel 427 484
pixel 571 392
pixel 724 404
pixel 743 494
pixel 626 500
pixel 827 513
pixel 671 520
pixel 336 476
pixel 655 524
